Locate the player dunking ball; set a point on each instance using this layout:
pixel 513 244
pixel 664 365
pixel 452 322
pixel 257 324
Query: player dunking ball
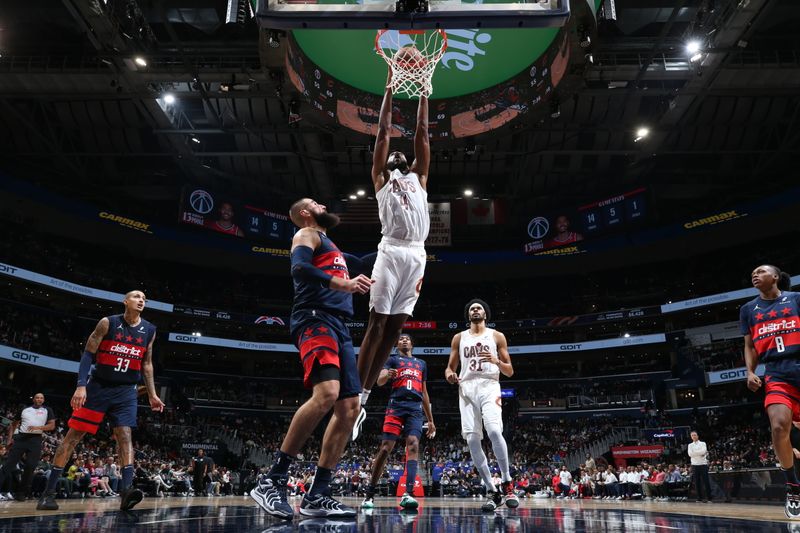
pixel 482 354
pixel 770 324
pixel 323 301
pixel 401 191
pixel 121 346
pixel 408 404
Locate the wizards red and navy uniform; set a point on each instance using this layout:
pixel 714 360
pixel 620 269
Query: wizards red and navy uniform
pixel 318 321
pixel 118 369
pixel 774 326
pixel 404 413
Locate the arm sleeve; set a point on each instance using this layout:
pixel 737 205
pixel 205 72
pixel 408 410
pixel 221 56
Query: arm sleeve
pixel 304 270
pixel 360 265
pixel 83 368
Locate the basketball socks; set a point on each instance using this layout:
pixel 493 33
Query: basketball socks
pixel 364 396
pixel 322 480
pixel 501 452
pixel 411 476
pixel 791 475
pixel 282 464
pixel 55 475
pixel 480 462
pixel 127 476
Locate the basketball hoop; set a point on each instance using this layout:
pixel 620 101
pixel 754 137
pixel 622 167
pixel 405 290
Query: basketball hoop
pixel 412 55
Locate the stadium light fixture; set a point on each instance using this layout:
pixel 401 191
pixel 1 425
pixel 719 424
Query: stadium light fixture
pixel 467 192
pixel 692 47
pixel 195 139
pixel 197 334
pixel 169 98
pixel 139 60
pixel 641 133
pixel 361 192
pixel 627 335
pixel 353 197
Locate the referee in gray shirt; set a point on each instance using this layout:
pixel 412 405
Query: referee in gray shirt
pixel 25 438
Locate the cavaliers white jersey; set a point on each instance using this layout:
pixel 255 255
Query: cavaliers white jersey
pixel 403 208
pixel 471 349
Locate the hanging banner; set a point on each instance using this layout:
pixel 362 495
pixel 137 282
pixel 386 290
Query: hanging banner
pixel 440 234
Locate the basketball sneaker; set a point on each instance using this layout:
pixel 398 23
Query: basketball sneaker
pixel 360 420
pixel 324 506
pixel 47 502
pixel 270 495
pixel 129 498
pixel 792 507
pixel 511 500
pixel 493 501
pixel 408 502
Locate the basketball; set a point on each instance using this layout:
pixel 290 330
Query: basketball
pixel 409 57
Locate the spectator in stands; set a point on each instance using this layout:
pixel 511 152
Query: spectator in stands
pixel 652 486
pixel 564 482
pixel 698 454
pixel 590 464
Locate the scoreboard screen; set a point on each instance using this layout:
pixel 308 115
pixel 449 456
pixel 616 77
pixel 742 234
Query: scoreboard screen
pixel 221 214
pixel 613 212
pixel 572 225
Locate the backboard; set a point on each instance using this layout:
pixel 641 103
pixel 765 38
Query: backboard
pixel 411 14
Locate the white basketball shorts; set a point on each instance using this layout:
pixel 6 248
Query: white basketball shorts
pixel 398 272
pixel 480 405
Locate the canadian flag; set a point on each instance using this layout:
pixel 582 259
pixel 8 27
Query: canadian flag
pixel 479 212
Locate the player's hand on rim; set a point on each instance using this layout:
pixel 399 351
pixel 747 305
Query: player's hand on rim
pixel 78 398
pixel 753 381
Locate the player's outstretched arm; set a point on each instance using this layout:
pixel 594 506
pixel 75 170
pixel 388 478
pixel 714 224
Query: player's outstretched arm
pixel 381 152
pixel 422 144
pixel 452 364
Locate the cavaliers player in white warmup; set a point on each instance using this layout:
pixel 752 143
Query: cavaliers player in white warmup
pixel 401 191
pixel 482 354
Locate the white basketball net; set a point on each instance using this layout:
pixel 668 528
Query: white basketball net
pixel 412 78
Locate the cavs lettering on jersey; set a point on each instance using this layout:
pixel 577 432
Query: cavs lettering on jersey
pixel 471 349
pixel 774 326
pixel 411 376
pixel 403 208
pixel 120 354
pixel 330 260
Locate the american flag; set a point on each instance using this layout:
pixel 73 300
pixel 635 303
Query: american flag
pixel 361 211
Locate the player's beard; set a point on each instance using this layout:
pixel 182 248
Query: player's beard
pixel 392 165
pixel 326 220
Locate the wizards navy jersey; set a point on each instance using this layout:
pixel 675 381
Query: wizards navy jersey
pixel 774 326
pixel 122 350
pixel 315 295
pixel 411 376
